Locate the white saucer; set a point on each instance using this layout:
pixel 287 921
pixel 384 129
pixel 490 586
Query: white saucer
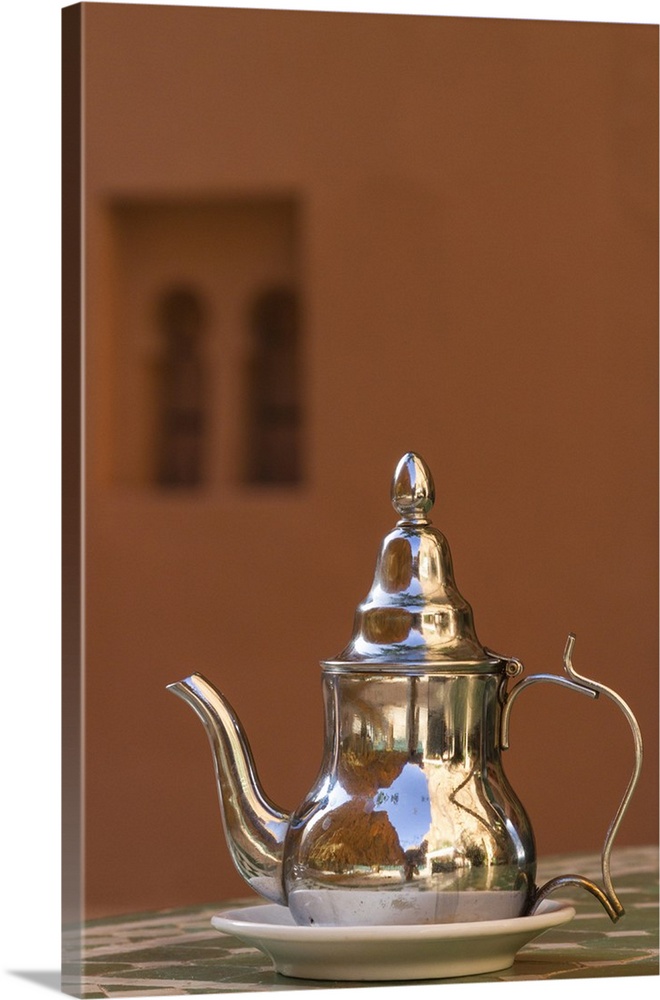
pixel 403 952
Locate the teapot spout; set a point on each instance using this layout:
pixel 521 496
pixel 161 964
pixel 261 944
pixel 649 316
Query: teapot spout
pixel 255 828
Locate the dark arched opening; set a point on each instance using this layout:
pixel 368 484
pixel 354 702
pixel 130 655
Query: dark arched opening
pixel 181 390
pixel 273 389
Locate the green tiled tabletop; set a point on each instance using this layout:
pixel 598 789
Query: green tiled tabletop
pixel 175 952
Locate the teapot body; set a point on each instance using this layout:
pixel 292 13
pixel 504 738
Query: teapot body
pixel 411 819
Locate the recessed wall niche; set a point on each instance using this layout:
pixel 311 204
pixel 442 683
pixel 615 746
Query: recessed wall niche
pixel 207 344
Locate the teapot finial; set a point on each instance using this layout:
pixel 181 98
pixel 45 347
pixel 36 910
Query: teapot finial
pixel 413 491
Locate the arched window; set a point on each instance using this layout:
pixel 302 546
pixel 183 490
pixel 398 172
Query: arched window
pixel 274 411
pixel 181 390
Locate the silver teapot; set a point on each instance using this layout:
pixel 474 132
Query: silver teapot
pixel 411 819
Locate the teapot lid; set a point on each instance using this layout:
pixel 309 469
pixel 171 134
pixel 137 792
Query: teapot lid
pixel 414 619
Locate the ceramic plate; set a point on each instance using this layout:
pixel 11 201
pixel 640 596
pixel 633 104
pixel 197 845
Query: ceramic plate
pixel 406 952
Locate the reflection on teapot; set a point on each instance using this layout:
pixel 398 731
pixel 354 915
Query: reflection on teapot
pixel 411 818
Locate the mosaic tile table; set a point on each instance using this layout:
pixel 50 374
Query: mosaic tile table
pixel 177 952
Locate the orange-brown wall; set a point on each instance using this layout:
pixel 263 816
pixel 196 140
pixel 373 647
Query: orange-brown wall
pixel 478 270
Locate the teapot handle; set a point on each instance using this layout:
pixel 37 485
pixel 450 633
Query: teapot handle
pixel 576 682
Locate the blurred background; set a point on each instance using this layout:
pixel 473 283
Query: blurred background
pixel 314 241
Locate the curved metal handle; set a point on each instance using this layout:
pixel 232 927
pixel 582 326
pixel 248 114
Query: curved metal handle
pixel 576 682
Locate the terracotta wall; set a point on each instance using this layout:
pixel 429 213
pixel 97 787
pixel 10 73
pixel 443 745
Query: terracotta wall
pixel 477 261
